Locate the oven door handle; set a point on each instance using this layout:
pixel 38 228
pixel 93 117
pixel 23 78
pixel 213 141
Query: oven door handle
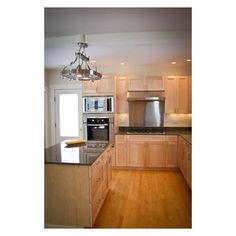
pixel 97 125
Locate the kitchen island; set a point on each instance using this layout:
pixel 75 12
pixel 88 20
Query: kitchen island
pixel 77 180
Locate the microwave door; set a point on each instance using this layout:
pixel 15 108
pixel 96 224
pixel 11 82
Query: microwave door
pixel 100 105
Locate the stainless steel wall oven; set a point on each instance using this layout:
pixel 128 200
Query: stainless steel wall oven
pixel 99 129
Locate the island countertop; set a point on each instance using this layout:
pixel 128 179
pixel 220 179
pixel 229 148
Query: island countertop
pixel 80 154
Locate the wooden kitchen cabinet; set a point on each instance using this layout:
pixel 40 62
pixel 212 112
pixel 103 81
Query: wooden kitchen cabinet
pixel 185 160
pixel 74 194
pixel 136 153
pixel 100 180
pixel 180 154
pixel 105 86
pixel 190 94
pixel 154 82
pixel 143 151
pixel 171 151
pixel 178 94
pixel 146 83
pixel 136 83
pixel 113 159
pixel 96 175
pixel 155 156
pixel 121 93
pixel 89 87
pixel 110 157
pixel 106 172
pixel 97 186
pixel 121 150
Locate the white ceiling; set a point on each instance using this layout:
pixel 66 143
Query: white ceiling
pixel 136 36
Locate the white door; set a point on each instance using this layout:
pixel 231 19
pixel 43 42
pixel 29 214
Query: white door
pixel 68 114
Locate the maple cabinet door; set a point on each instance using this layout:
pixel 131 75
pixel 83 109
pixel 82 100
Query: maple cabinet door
pixel 121 150
pixel 154 82
pixel 136 154
pixel 137 83
pixel 155 154
pixel 183 95
pixel 89 87
pixel 171 95
pixel 121 93
pixel 171 152
pixel 106 86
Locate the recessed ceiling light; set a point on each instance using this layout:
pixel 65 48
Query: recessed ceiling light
pixel 173 62
pixel 93 61
pixel 122 63
pixel 188 60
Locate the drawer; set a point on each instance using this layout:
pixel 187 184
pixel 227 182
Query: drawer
pixel 146 138
pixel 171 138
pixel 120 138
pixel 96 202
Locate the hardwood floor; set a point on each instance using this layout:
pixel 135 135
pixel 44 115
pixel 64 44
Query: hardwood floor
pixel 146 199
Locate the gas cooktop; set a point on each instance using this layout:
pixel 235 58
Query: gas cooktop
pixel 145 132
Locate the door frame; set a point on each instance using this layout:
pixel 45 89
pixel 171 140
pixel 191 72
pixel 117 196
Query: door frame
pixel 52 113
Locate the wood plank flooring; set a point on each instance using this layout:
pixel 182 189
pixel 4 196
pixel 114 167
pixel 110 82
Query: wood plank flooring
pixel 146 199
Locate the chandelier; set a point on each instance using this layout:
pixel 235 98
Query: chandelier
pixel 81 67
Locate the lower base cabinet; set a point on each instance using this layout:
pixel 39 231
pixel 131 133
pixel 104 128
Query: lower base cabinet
pixel 136 152
pixel 74 194
pixel 171 151
pixel 155 154
pixel 185 160
pixel 146 151
pixel 154 151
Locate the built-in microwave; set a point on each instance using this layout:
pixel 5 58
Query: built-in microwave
pixel 92 104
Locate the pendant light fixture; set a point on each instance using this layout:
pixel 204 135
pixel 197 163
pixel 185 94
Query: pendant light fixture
pixel 81 68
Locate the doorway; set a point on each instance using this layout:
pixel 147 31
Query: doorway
pixel 68 114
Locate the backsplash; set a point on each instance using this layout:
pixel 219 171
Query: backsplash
pixel 178 120
pixel 170 120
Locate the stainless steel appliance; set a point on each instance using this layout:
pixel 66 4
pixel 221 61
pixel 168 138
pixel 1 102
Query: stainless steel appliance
pixel 146 108
pixel 92 104
pixel 98 131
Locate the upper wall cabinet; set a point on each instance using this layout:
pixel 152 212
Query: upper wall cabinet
pixel 121 93
pixel 178 94
pixel 105 86
pixel 145 83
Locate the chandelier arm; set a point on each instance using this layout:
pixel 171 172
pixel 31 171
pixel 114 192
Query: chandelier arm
pixel 73 62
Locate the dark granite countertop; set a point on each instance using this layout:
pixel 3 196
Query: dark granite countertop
pixel 80 154
pixel 184 132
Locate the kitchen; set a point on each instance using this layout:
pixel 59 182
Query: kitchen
pixel 146 63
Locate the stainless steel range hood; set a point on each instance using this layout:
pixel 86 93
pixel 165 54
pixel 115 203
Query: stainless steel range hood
pixel 146 95
pixel 146 108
